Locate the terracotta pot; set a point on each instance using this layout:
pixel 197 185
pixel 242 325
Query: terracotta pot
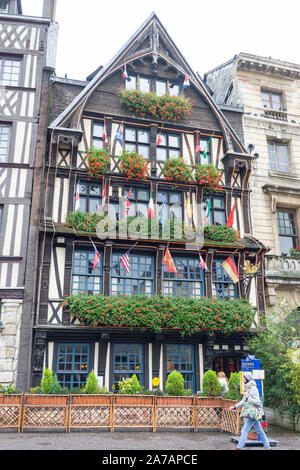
pixel 90 399
pixel 44 400
pixel 174 401
pixel 133 400
pixel 252 436
pixel 10 399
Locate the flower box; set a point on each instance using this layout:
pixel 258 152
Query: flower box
pixel 174 401
pixel 136 400
pixel 45 400
pixel 86 399
pixel 10 399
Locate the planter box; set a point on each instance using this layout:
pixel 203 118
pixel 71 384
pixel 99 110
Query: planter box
pixel 174 401
pixel 136 400
pixel 10 399
pixel 90 399
pixel 216 402
pixel 47 400
pixel 228 403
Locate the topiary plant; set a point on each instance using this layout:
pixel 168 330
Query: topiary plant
pixel 46 380
pixel 91 384
pixel 130 386
pixel 210 384
pixel 55 387
pixel 175 384
pixel 234 387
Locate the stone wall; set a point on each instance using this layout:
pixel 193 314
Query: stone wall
pixel 11 311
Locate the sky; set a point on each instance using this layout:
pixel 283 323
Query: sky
pixel 208 33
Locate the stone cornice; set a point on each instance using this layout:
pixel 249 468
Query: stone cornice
pixel 268 65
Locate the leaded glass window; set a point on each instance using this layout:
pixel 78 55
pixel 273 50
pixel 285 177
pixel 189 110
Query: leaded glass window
pixel 84 277
pixel 72 364
pixel 223 286
pixel 189 281
pixel 140 279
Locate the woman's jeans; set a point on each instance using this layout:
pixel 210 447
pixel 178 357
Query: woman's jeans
pixel 246 428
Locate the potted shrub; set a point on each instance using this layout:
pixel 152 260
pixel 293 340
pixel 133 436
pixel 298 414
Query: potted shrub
pixel 233 395
pixel 98 162
pixel 49 392
pixel 130 393
pixel 176 393
pixel 91 394
pixel 133 165
pixel 177 170
pixel 211 388
pixel 208 176
pixel 10 395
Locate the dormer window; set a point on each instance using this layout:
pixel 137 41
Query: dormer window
pixel 146 84
pixel 4 6
pixel 166 86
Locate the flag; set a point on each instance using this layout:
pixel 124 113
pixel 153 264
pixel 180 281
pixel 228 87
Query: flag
pixel 198 149
pixel 119 135
pixel 167 260
pixel 151 207
pixel 103 197
pixel 127 203
pixel 230 268
pixel 125 261
pixel 207 212
pixel 231 216
pixel 104 135
pixel 125 74
pixel 186 82
pixel 188 208
pixel 159 140
pixel 203 265
pixel 206 148
pixel 96 258
pixel 77 200
pixel 162 214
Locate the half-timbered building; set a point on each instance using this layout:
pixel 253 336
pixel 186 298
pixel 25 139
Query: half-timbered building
pixel 25 50
pixel 90 115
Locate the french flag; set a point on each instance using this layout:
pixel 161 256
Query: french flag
pixel 125 74
pixel 186 82
pixel 96 258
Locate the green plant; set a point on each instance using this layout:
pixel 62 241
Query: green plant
pixel 221 233
pixel 85 221
pixel 76 390
pixel 166 107
pixel 177 170
pixel 209 176
pixel 134 165
pixel 175 384
pixel 187 315
pixel 98 162
pixel 46 380
pixel 55 387
pixel 130 386
pixel 295 252
pixel 9 390
pixel 234 387
pixel 91 384
pixel 211 386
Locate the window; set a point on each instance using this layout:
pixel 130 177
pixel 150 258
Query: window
pixel 90 196
pixel 180 357
pixel 4 6
pixel 84 277
pixel 72 364
pixel 130 84
pixel 278 156
pixel 163 87
pixel 128 359
pixel 140 279
pixel 169 146
pixel 139 201
pixel 4 142
pixel 203 144
pixel 173 204
pixel 137 140
pixel 217 210
pixel 98 129
pixel 286 230
pixel 271 100
pixel 1 214
pixel 9 71
pixel 223 286
pixel 144 84
pixel 189 281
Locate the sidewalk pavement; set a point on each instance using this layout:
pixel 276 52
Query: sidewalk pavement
pixel 137 440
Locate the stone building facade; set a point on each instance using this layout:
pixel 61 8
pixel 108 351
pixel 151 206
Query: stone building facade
pixel 24 55
pixel 84 115
pixel 268 90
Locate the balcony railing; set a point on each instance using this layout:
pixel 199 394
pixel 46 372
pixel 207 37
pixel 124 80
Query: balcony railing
pixel 275 114
pixel 283 269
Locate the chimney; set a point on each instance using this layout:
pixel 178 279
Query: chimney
pixel 49 9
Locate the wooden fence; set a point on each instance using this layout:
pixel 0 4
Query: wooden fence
pixel 111 412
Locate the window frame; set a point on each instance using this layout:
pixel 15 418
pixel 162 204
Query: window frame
pixel 169 193
pixel 72 372
pixel 172 278
pixel 123 276
pixel 88 196
pixel 97 274
pixel 140 374
pixel 135 200
pixel 169 148
pixel 180 347
pixel 14 83
pixel 7 126
pixel 1 215
pixel 294 237
pixel 225 279
pixel 276 145
pixel 95 138
pixel 270 94
pixel 214 210
pixel 5 10
pixel 202 160
pixel 153 83
pixel 136 142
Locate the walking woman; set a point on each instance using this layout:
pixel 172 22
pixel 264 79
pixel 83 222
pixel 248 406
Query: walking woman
pixel 252 411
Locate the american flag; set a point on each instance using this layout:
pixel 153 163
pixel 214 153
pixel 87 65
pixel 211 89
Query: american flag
pixel 125 261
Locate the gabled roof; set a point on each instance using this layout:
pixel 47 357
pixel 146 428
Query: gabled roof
pixel 133 50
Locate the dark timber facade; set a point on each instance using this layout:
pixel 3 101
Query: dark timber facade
pixel 79 110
